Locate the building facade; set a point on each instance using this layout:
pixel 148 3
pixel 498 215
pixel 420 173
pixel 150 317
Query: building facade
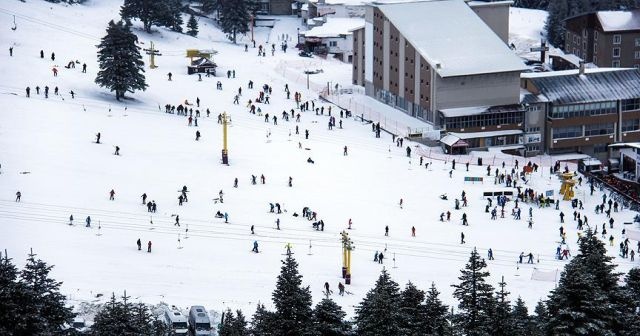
pixel 605 38
pixel 452 60
pixel 585 110
pixel 276 7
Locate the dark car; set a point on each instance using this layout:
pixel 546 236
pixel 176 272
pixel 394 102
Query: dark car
pixel 305 54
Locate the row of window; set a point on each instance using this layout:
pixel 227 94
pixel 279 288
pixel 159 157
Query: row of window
pixel 580 131
pixel 630 104
pixel 582 110
pixel 482 120
pixel 617 38
pixel 630 125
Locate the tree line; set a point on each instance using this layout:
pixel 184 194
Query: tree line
pixel 588 300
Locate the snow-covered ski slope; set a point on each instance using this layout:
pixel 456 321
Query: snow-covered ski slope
pixel 47 153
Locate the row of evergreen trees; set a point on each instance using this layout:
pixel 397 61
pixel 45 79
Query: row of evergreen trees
pixel 164 13
pixel 589 300
pixel 559 10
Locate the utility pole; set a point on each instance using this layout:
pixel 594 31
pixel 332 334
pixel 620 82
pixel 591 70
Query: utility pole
pixel 225 152
pixel 152 53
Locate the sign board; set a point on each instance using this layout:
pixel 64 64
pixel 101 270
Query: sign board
pixel 531 138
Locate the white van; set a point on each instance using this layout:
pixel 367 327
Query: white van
pixel 176 322
pixel 199 322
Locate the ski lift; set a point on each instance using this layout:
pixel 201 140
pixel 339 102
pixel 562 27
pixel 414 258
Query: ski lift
pixel 14 24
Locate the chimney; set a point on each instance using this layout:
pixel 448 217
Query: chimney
pixel 581 71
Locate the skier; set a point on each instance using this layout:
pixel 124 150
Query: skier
pixel 530 260
pixel 53 56
pixel 235 182
pixel 88 221
pixel 28 92
pixel 98 138
pixel 139 244
pixel 375 257
pixel 180 199
pixel 197 135
pixel 226 217
pixel 462 238
pixel 18 196
pixel 490 254
pixel 169 75
pixel 561 217
pixel 326 289
pixel 386 230
pixel 112 194
pixel 84 67
pixel 71 220
pixel 149 247
pixel 252 232
pixel 341 286
pixel 401 203
pixel 177 221
pixel 277 223
pixel 255 246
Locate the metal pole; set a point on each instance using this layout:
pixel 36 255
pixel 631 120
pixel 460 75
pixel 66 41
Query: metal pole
pixel 225 152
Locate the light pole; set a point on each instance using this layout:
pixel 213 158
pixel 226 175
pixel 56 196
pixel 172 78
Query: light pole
pixel 225 152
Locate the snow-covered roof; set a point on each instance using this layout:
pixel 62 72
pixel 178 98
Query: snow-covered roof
pixel 463 111
pixel 335 27
pixel 473 135
pixel 594 86
pixel 452 38
pixel 570 72
pixel 619 20
pixel 453 141
pixel 489 3
pixel 625 145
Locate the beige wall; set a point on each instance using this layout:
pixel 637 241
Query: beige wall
pixel 496 16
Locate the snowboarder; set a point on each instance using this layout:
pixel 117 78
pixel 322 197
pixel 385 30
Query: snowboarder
pixel 112 195
pixel 18 196
pixel 139 244
pixel 149 247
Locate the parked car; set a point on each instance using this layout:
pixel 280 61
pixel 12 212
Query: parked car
pixel 199 322
pixel 176 322
pixel 79 326
pixel 305 54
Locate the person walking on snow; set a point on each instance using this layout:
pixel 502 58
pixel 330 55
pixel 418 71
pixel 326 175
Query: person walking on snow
pixel 18 196
pixel 112 194
pixel 255 246
pixel 177 221
pixel 71 220
pixel 386 230
pixel 462 238
pixel 149 247
pixel 88 221
pixel 139 244
pixel 413 231
pixel 144 198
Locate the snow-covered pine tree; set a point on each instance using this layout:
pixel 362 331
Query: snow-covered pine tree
pixel 240 325
pixel 263 322
pixel 578 306
pixel 436 314
pixel 632 288
pixel 502 323
pixel 521 321
pixel 145 322
pixel 554 26
pixel 234 19
pixel 12 293
pixel 378 313
pixel 172 15
pixel 292 301
pixel 149 12
pixel 121 66
pixel 226 327
pixel 111 319
pixel 541 319
pixel 43 304
pixel 475 297
pixel 413 310
pixel 328 319
pixel 192 26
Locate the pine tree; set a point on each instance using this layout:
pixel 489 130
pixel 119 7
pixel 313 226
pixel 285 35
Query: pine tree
pixel 558 11
pixel 502 323
pixel 263 322
pixel 149 12
pixel 378 313
pixel 292 301
pixel 632 285
pixel 436 314
pixel 475 297
pixel 577 306
pixel 521 321
pixel 412 310
pixel 192 24
pixel 46 307
pixel 234 19
pixel 12 294
pixel 328 319
pixel 121 66
pixel 226 328
pixel 240 324
pixel 208 6
pixel 541 320
pixel 172 15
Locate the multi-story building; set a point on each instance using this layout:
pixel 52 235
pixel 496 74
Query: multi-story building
pixel 584 110
pixel 451 69
pixel 605 38
pixel 276 7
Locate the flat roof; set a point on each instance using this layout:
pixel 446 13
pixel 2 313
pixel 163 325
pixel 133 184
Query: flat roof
pixel 450 36
pixel 335 27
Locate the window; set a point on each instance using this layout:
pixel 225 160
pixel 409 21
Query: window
pixel 584 33
pixel 615 64
pixel 630 104
pixel 333 43
pixel 595 35
pixel 567 132
pixel 617 39
pixel 598 129
pixel 637 41
pixel 636 54
pixel 630 125
pixel 595 48
pixel 595 59
pixel 616 52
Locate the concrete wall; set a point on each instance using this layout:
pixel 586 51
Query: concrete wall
pixel 496 16
pixel 477 90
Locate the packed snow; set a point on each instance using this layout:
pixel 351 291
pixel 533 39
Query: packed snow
pixel 47 152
